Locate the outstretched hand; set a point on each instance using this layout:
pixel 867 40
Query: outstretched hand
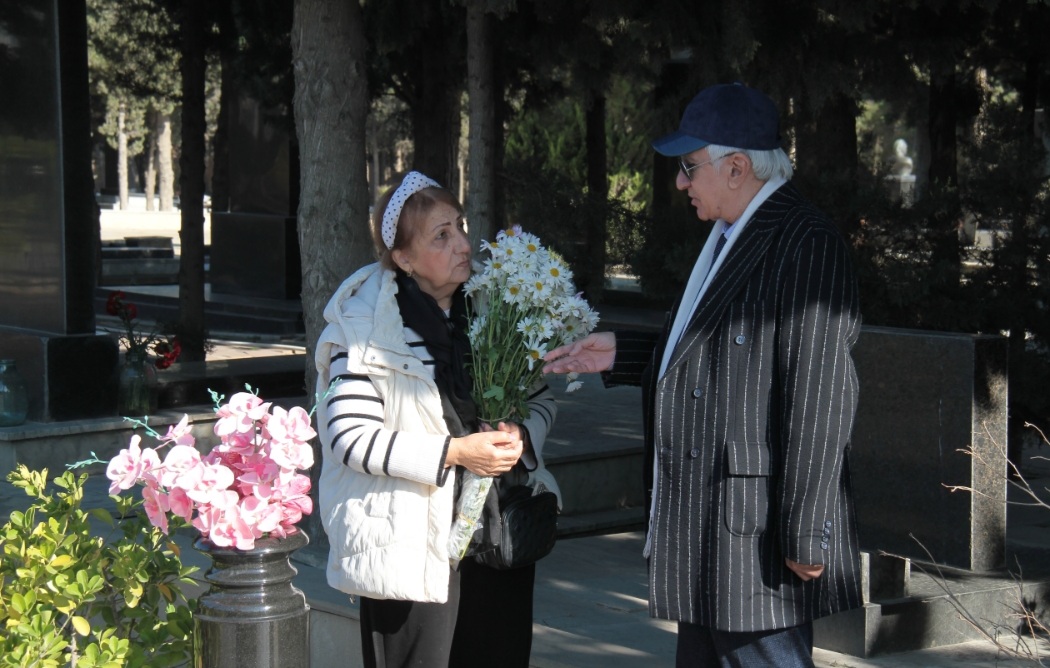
pixel 591 354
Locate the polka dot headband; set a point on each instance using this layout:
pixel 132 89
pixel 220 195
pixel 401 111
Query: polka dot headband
pixel 413 183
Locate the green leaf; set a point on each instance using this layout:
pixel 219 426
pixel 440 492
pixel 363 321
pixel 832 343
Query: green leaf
pixel 102 515
pixel 494 392
pixel 81 625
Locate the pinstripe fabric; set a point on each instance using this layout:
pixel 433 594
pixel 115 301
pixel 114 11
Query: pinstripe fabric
pixel 750 424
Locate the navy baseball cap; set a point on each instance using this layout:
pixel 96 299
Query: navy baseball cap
pixel 728 115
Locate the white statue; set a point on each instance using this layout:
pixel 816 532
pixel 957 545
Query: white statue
pixel 900 179
pixel 902 164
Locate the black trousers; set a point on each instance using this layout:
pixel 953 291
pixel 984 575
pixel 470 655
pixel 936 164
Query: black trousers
pixel 699 646
pixel 486 622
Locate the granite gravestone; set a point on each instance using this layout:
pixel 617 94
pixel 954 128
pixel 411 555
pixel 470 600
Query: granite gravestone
pixel 255 245
pixel 927 398
pixel 48 215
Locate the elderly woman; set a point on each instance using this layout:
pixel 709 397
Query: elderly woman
pixel 397 423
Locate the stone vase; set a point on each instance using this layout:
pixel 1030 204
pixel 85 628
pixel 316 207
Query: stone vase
pixel 252 616
pixel 136 386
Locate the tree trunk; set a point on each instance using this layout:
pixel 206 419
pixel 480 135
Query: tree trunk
pixel 481 150
pixel 122 157
pixel 592 259
pixel 149 186
pixel 220 180
pixel 331 106
pixel 944 173
pixel 942 128
pixel 110 175
pixel 436 117
pixel 826 143
pixel 191 327
pixel 165 168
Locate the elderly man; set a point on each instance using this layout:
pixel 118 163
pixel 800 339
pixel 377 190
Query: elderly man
pixel 749 396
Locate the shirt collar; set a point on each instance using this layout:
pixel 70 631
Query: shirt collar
pixel 732 230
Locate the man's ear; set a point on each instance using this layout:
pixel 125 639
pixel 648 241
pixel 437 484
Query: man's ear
pixel 741 164
pixel 739 168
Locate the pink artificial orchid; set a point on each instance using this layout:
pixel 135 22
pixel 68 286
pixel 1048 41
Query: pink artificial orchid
pixel 290 426
pixel 182 468
pixel 128 467
pixel 215 479
pixel 241 415
pixel 157 507
pixel 180 434
pixel 245 488
pixel 180 504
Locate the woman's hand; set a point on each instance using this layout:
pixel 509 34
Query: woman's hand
pixel 513 429
pixel 591 354
pixel 487 453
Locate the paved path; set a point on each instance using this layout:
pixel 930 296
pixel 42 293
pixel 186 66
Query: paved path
pixel 591 609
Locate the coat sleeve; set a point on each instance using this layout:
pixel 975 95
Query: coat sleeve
pixel 543 408
pixel 352 431
pixel 819 323
pixel 634 353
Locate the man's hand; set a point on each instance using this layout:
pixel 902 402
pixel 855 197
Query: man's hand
pixel 805 571
pixel 591 354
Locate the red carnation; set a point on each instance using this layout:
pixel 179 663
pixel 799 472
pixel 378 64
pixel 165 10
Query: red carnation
pixel 113 303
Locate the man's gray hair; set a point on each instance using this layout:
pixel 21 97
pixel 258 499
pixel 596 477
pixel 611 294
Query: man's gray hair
pixel 765 164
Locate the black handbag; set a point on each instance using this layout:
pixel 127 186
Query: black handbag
pixel 524 529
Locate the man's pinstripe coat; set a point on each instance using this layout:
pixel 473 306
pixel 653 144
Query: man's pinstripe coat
pixel 750 424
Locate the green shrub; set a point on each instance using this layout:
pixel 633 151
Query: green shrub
pixel 72 597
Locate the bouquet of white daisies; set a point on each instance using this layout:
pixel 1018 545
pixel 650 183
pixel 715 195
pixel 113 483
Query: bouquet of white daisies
pixel 522 303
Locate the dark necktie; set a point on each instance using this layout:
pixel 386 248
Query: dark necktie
pixel 718 247
pixel 718 250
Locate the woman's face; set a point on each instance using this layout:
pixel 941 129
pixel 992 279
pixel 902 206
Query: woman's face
pixel 438 255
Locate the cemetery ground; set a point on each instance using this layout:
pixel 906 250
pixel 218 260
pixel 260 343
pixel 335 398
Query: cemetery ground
pixel 590 605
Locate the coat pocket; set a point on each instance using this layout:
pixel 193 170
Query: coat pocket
pixel 378 512
pixel 745 503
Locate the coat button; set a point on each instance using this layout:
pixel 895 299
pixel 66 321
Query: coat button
pixel 405 366
pixel 827 523
pixel 739 340
pixel 823 546
pixel 697 393
pixel 694 453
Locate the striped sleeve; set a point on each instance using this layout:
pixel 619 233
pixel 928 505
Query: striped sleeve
pixel 359 440
pixel 820 326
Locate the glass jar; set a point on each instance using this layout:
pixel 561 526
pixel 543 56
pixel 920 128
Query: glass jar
pixel 14 395
pixel 137 387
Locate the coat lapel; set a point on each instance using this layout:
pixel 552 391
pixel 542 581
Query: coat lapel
pixel 742 259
